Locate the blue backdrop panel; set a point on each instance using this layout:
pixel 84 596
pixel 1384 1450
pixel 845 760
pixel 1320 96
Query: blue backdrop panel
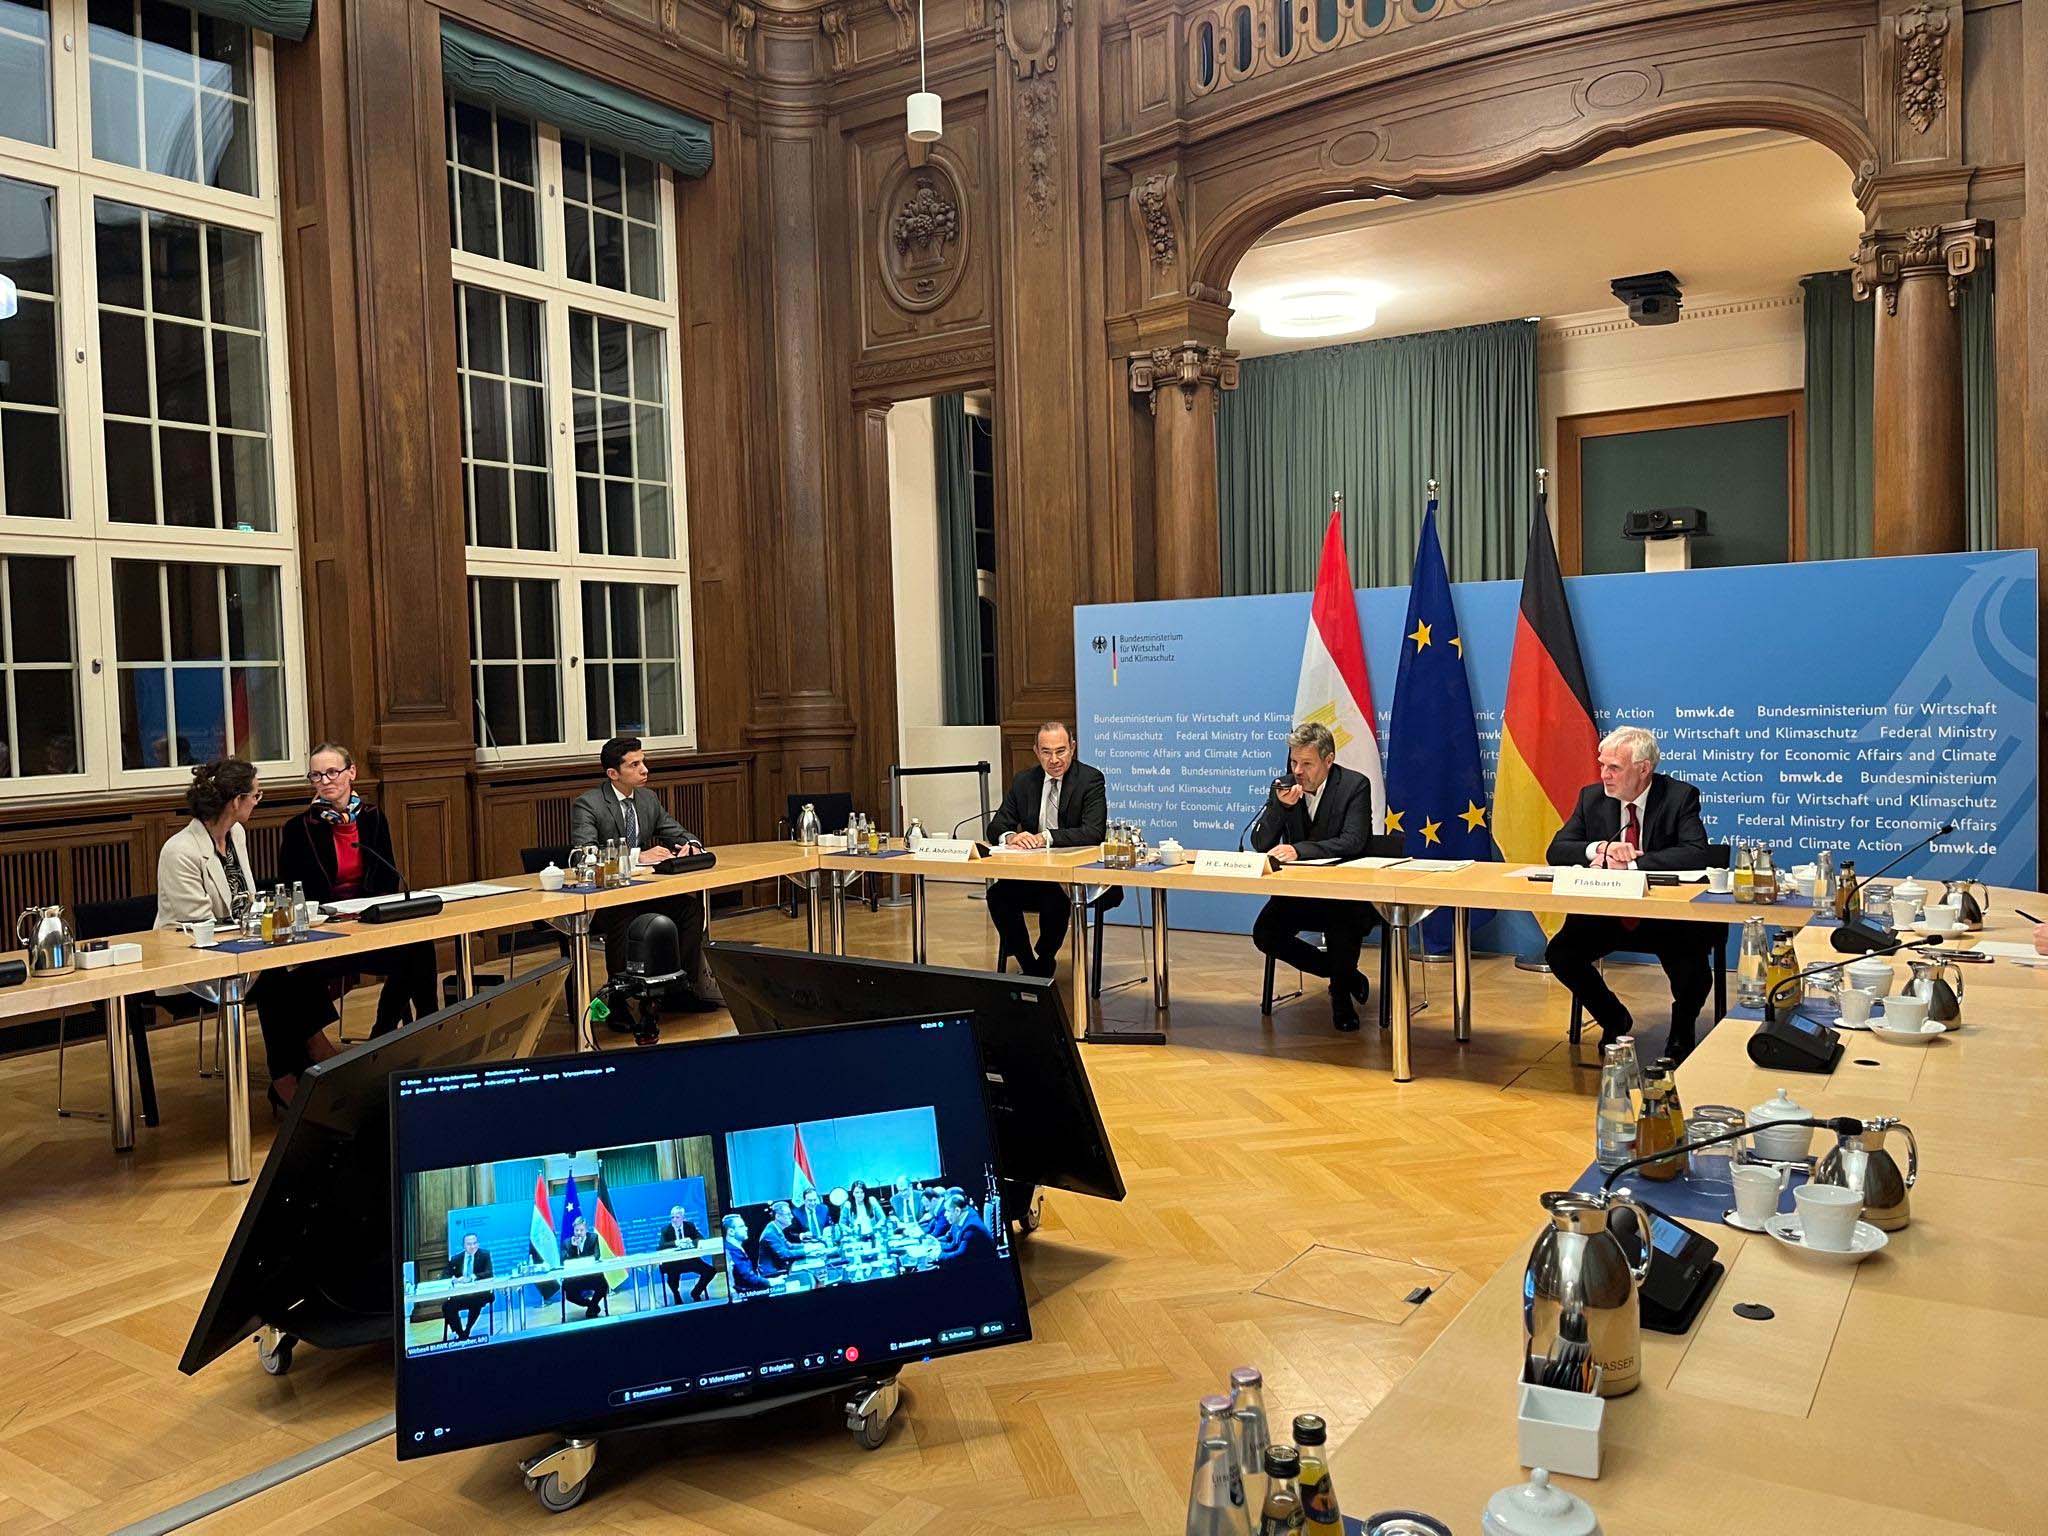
pixel 1842 704
pixel 879 1148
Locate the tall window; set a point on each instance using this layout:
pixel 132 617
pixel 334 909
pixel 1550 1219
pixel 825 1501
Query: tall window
pixel 566 355
pixel 149 602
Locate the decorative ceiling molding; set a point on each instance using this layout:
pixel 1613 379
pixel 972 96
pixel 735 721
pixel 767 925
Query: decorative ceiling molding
pixel 1573 328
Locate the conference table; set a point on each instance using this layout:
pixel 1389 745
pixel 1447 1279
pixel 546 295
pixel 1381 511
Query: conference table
pixel 1403 895
pixel 513 1286
pixel 1904 1394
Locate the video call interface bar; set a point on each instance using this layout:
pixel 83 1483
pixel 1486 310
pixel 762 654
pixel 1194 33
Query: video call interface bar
pixel 797 1225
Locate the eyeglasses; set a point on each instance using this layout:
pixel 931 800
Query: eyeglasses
pixel 322 775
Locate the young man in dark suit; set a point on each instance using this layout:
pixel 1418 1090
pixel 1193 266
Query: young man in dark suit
pixel 1326 813
pixel 585 1291
pixel 681 1232
pixel 1634 818
pixel 1062 803
pixel 473 1263
pixel 967 1235
pixel 623 807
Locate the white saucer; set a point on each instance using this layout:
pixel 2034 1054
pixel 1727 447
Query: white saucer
pixel 1733 1218
pixel 210 944
pixel 1925 1034
pixel 1868 1024
pixel 1957 932
pixel 1865 1241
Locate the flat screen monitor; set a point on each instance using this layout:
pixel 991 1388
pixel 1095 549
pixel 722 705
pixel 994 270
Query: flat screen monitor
pixel 1048 1129
pixel 586 1243
pixel 311 1255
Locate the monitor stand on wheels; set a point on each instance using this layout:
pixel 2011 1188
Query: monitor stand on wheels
pixel 560 1477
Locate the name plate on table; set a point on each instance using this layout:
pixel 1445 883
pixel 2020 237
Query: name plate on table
pixel 1632 883
pixel 951 850
pixel 1237 866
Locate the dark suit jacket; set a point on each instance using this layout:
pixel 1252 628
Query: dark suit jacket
pixel 306 854
pixel 587 1249
pixel 596 818
pixel 1342 824
pixel 670 1238
pixel 777 1252
pixel 1084 806
pixel 1673 837
pixel 483 1266
pixel 744 1276
pixel 969 1239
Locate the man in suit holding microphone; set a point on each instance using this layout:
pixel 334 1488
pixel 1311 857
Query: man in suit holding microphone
pixel 623 807
pixel 1318 810
pixel 1061 803
pixel 1634 818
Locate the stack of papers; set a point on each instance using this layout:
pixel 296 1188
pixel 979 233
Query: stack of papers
pixel 1373 862
pixel 447 893
pixel 1437 866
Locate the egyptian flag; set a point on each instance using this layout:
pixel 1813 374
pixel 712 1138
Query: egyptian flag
pixel 802 1179
pixel 1548 744
pixel 541 1246
pixel 1334 689
pixel 611 1243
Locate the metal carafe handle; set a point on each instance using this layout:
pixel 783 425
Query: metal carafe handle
pixel 1912 1151
pixel 1636 1272
pixel 23 926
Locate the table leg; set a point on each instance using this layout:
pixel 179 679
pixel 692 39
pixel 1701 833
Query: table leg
pixel 812 915
pixel 1397 917
pixel 838 913
pixel 919 920
pixel 120 1075
pixel 1161 992
pixel 1083 1004
pixel 1461 973
pixel 235 1075
pixel 465 967
pixel 578 930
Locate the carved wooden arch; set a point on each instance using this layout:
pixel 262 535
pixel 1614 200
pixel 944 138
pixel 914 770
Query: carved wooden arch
pixel 1219 238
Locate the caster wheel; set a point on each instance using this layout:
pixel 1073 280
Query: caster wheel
pixel 874 1429
pixel 1034 1211
pixel 554 1498
pixel 279 1360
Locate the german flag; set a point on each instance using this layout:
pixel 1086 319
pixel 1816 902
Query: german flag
pixel 611 1243
pixel 1548 745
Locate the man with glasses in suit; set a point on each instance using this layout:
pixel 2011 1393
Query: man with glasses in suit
pixel 1061 803
pixel 1320 810
pixel 624 808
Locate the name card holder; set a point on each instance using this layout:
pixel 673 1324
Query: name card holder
pixel 1631 883
pixel 949 850
pixel 1235 866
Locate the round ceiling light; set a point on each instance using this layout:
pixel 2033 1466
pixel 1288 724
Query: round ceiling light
pixel 1320 309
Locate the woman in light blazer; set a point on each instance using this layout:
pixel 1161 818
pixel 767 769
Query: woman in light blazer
pixel 201 872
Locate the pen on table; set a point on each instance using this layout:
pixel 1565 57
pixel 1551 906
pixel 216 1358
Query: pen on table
pixel 2027 915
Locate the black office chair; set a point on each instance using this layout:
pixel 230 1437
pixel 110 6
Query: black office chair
pixel 1718 855
pixel 1385 846
pixel 834 811
pixel 105 920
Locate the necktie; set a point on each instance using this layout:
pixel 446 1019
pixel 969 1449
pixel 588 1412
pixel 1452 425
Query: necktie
pixel 1632 835
pixel 632 823
pixel 1049 808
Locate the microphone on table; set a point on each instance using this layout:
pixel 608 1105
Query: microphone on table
pixel 1889 946
pixel 1841 1125
pixel 1859 937
pixel 407 905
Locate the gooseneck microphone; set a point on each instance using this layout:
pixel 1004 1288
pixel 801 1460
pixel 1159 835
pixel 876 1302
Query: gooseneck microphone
pixel 408 905
pixel 1798 979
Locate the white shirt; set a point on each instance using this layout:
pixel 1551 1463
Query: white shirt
pixel 1642 805
pixel 1048 811
pixel 1313 798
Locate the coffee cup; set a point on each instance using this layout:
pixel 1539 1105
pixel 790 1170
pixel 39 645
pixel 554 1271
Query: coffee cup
pixel 1856 1005
pixel 203 934
pixel 1721 881
pixel 1827 1215
pixel 1940 920
pixel 1905 1014
pixel 1756 1193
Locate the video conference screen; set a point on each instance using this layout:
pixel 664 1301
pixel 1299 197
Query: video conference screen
pixel 587 1241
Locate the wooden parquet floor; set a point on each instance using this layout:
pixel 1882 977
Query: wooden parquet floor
pixel 1283 1192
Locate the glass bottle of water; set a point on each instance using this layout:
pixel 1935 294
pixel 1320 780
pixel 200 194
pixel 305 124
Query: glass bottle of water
pixel 1745 876
pixel 300 915
pixel 1824 881
pixel 1216 1501
pixel 1764 880
pixel 1749 967
pixel 1248 1413
pixel 1614 1123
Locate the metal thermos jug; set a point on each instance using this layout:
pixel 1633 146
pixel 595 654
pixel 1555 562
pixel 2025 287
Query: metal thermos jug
pixel 1863 1163
pixel 1579 1265
pixel 46 935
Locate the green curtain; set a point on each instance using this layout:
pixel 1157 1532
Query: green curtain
pixel 959 592
pixel 1841 367
pixel 1376 420
pixel 1841 347
pixel 1980 411
pixel 491 70
pixel 288 19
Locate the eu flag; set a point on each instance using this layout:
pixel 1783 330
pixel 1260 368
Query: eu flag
pixel 1436 791
pixel 572 1210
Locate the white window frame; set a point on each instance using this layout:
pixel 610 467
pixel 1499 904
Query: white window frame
pixel 566 565
pixel 92 539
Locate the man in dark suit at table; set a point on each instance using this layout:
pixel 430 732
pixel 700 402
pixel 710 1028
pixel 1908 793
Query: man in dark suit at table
pixel 1326 813
pixel 1061 803
pixel 967 1235
pixel 623 807
pixel 778 1250
pixel 1634 818
pixel 585 1291
pixel 681 1232
pixel 746 1279
pixel 460 1312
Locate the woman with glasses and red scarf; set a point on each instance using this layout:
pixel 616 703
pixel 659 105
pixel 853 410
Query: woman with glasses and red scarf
pixel 340 847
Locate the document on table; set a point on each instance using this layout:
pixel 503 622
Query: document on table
pixel 1533 872
pixel 2005 949
pixel 1686 876
pixel 1437 866
pixel 447 893
pixel 1311 863
pixel 998 849
pixel 1373 861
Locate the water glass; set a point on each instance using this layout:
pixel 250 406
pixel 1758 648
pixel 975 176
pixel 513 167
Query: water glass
pixel 1712 1168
